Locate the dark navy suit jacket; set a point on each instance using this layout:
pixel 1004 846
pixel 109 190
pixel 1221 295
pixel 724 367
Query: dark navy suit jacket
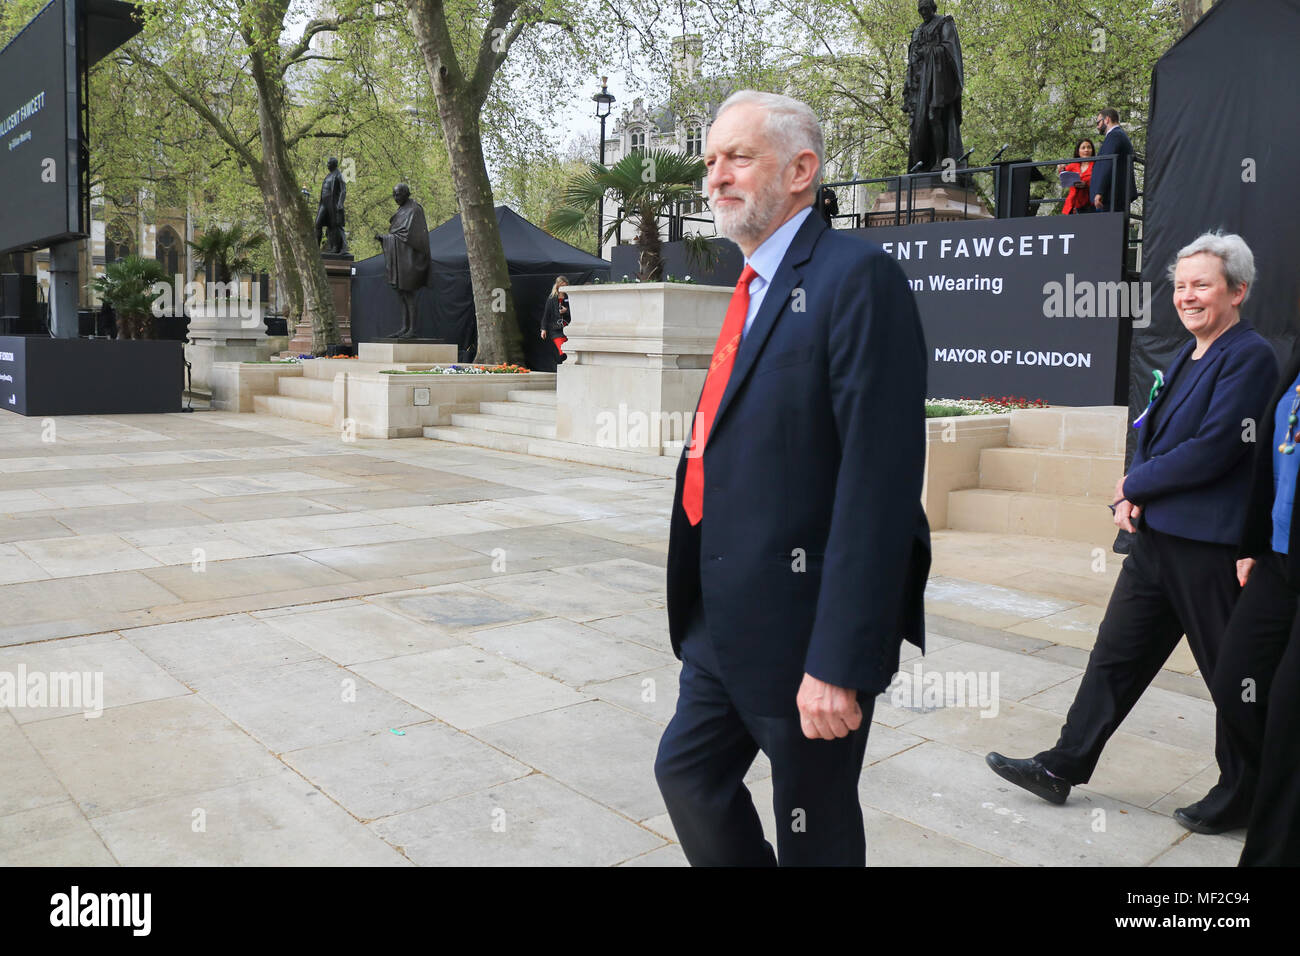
pixel 814 549
pixel 1192 468
pixel 1119 147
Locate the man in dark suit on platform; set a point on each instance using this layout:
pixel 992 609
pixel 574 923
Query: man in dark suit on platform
pixel 798 548
pixel 1119 147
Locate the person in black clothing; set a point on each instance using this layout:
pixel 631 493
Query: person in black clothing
pixel 1256 685
pixel 556 317
pixel 828 205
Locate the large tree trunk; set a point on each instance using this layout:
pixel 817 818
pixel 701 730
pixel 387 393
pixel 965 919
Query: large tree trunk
pixel 499 339
pixel 286 269
pixel 283 195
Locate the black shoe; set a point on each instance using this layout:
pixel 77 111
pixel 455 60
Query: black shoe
pixel 1191 818
pixel 561 360
pixel 1031 775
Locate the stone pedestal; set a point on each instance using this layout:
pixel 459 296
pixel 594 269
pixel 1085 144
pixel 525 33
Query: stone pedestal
pixel 338 272
pixel 950 203
pixel 407 352
pixel 221 334
pixel 338 269
pixel 638 356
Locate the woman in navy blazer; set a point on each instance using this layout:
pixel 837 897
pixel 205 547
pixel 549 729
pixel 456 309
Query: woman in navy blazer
pixel 1184 497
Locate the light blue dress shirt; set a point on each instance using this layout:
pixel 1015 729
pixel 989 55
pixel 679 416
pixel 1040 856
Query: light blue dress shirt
pixel 767 259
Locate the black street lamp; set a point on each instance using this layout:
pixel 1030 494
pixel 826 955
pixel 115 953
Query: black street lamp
pixel 604 100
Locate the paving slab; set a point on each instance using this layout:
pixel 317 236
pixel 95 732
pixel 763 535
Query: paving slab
pixel 387 773
pixel 86 677
pixel 55 835
pixel 361 632
pixel 145 752
pixel 596 749
pixel 534 821
pixel 277 820
pixel 468 687
pixel 568 651
pixel 292 706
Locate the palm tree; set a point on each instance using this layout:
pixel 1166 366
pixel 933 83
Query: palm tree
pixel 646 184
pixel 229 251
pixel 128 286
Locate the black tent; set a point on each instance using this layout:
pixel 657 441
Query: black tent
pixel 446 304
pixel 1222 152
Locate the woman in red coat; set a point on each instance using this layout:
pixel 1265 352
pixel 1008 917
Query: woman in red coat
pixel 1076 200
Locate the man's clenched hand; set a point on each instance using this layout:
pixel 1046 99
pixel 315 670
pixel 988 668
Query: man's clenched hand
pixel 827 711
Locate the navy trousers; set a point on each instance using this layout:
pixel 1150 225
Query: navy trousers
pixel 707 750
pixel 1256 689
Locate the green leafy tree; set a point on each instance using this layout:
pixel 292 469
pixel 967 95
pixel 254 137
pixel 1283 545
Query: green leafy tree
pixel 229 252
pixel 127 285
pixel 645 186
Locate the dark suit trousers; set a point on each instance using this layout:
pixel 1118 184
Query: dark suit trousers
pixel 708 748
pixel 1168 586
pixel 1257 690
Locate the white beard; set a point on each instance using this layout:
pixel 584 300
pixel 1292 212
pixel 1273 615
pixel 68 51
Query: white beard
pixel 754 215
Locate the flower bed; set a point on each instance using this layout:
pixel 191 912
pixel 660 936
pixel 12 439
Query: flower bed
pixel 988 405
pixel 458 370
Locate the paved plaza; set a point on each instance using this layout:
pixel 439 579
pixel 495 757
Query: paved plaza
pixel 319 652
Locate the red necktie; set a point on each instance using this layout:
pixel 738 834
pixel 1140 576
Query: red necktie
pixel 715 383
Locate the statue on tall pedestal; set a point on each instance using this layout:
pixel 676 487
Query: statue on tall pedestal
pixel 329 214
pixel 932 91
pixel 406 254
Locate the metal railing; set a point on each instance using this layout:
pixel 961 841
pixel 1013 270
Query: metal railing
pixel 1004 181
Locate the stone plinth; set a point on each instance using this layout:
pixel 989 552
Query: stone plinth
pixel 406 351
pixel 338 271
pixel 950 204
pixel 638 355
pixel 220 333
pixel 379 405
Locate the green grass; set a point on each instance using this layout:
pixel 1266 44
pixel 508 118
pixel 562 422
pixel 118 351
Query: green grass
pixel 944 411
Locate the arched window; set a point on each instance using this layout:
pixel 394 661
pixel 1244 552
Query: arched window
pixel 168 250
pixel 637 139
pixel 117 241
pixel 695 147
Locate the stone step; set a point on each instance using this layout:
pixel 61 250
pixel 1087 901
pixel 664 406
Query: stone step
pixel 535 396
pixel 1101 429
pixel 560 450
pixel 1049 472
pixel 1071 517
pixel 312 389
pixel 525 411
pixel 300 409
pixel 509 426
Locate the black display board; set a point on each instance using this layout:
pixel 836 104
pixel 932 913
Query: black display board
pixel 1034 307
pixel 1222 150
pixel 44 187
pixel 41 376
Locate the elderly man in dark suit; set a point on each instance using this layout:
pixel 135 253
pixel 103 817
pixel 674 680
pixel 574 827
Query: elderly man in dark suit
pixel 1119 148
pixel 798 548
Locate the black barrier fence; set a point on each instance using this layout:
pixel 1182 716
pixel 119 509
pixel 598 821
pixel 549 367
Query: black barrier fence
pixel 1004 188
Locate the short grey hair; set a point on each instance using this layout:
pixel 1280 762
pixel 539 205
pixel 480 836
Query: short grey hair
pixel 789 124
pixel 1233 254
